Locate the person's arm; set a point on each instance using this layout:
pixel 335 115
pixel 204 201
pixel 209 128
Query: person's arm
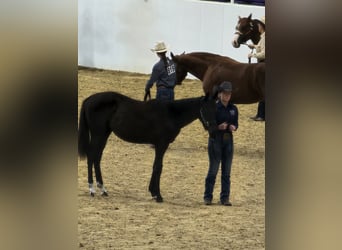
pixel 260 50
pixel 235 123
pixel 153 78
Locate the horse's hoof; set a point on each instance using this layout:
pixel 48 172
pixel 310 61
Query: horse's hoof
pixel 104 194
pixel 157 198
pixel 92 194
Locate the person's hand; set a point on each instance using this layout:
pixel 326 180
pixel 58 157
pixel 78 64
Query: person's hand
pixel 223 126
pixel 251 46
pixel 232 127
pixel 147 94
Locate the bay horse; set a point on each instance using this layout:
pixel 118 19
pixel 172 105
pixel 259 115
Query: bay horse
pixel 246 29
pixel 248 80
pixel 153 122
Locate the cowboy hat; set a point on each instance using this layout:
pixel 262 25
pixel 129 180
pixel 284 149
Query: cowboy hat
pixel 262 19
pixel 159 47
pixel 225 86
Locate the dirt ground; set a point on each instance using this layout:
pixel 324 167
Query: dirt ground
pixel 129 219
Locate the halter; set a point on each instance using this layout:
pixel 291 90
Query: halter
pixel 204 121
pixel 238 32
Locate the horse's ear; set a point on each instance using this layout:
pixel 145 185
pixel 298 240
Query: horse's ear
pixel 208 97
pixel 174 57
pixel 239 17
pixel 250 16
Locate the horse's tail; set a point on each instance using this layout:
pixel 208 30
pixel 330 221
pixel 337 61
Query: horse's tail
pixel 83 133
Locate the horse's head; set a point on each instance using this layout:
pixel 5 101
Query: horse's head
pixel 181 72
pixel 207 113
pixel 245 30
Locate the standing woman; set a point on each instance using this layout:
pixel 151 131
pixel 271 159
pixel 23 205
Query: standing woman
pixel 220 146
pixel 260 56
pixel 163 73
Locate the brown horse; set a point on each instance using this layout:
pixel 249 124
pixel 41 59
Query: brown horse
pixel 246 29
pixel 248 80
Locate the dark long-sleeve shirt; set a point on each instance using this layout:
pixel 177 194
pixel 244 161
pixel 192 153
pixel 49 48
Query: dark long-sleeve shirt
pixel 163 76
pixel 227 114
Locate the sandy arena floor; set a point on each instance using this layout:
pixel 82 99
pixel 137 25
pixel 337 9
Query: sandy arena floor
pixel 129 219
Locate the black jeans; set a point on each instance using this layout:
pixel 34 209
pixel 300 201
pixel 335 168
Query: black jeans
pixel 261 110
pixel 261 104
pixel 166 94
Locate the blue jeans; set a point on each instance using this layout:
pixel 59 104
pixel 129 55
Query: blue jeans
pixel 220 150
pixel 166 94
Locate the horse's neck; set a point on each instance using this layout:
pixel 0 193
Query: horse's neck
pixel 255 39
pixel 196 66
pixel 256 34
pixel 187 112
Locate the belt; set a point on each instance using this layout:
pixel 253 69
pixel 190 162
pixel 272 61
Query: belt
pixel 164 87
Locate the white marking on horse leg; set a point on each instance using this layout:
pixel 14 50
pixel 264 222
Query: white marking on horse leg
pixel 104 191
pixel 91 189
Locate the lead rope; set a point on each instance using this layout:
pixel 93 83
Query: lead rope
pixel 249 59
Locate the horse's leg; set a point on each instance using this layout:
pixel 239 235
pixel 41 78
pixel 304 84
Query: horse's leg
pixel 154 186
pixel 90 175
pixel 90 161
pixel 98 144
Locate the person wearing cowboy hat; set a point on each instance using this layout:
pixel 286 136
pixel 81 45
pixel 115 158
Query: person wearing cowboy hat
pixel 260 56
pixel 163 74
pixel 220 145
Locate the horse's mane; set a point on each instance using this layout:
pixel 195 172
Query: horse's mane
pixel 206 56
pixel 179 102
pixel 258 21
pixel 177 106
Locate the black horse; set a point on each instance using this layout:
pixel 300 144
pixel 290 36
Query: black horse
pixel 153 122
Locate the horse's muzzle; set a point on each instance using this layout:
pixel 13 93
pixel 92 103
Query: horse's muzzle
pixel 235 44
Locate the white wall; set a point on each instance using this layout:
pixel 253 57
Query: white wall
pixel 118 34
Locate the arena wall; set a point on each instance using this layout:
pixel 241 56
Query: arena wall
pixel 118 34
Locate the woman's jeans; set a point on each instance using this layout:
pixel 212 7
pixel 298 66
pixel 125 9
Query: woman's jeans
pixel 220 150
